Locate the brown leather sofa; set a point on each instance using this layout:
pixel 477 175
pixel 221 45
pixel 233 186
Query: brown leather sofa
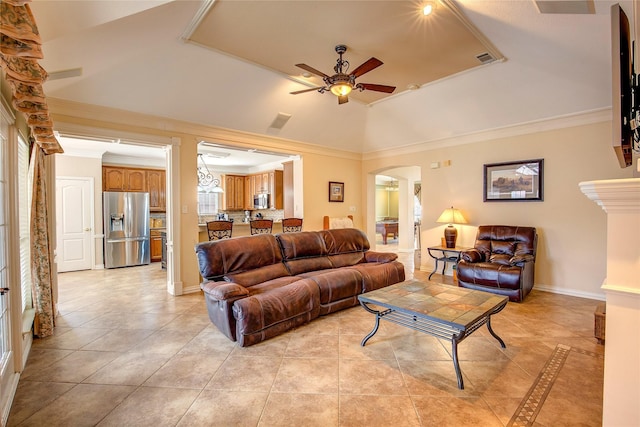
pixel 260 286
pixel 502 261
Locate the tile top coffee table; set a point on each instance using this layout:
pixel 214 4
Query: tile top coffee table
pixel 443 311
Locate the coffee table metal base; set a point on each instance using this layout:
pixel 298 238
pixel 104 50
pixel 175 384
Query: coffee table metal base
pixel 434 328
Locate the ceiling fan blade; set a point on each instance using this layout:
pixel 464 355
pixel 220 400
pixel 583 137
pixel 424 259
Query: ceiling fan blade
pixel 366 67
pixel 343 99
pixel 311 70
pixel 305 90
pixel 377 88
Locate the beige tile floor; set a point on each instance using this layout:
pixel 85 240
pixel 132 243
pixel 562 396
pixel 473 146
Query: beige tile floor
pixel 125 353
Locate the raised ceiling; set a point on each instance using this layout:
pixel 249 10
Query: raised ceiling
pixel 415 49
pixel 134 58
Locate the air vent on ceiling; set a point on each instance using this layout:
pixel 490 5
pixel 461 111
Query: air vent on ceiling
pixel 280 120
pixel 63 74
pixel 485 58
pixel 579 7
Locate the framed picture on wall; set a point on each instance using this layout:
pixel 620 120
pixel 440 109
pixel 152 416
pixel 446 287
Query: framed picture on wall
pixel 514 181
pixel 336 191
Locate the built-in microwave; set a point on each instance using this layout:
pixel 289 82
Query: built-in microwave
pixel 261 201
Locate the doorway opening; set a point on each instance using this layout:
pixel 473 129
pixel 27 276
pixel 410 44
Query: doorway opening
pixel 93 166
pixel 398 208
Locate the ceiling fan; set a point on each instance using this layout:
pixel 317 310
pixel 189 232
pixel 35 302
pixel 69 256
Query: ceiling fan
pixel 341 83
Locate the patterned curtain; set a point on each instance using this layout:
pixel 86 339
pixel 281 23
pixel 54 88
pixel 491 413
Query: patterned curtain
pixel 40 250
pixel 20 50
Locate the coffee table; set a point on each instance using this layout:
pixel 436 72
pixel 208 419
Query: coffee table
pixel 444 311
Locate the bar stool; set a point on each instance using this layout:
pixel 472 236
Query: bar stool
pixel 219 229
pixel 261 226
pixel 290 225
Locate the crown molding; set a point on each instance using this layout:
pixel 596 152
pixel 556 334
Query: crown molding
pixel 559 122
pixel 68 112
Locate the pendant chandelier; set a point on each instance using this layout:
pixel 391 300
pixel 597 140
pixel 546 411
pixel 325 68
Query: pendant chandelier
pixel 206 179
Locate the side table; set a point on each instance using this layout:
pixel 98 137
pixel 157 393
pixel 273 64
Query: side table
pixel 444 255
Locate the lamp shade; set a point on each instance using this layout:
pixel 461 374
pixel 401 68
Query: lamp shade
pixel 451 216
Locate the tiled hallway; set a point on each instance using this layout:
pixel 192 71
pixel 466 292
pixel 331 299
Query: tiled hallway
pixel 125 353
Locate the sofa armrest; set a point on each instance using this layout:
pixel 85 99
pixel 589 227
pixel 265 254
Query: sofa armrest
pixel 383 257
pixel 472 255
pixel 521 259
pixel 224 290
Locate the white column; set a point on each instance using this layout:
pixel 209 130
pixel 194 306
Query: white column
pixel 621 200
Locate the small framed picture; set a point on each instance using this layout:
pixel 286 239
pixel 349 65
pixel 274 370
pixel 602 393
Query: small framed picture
pixel 336 191
pixel 514 181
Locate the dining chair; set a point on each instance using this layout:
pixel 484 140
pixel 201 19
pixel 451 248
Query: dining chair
pixel 261 226
pixel 219 229
pixel 290 225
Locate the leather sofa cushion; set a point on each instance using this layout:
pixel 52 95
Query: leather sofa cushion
pixel 498 258
pixel 221 291
pixel 221 257
pixel 261 316
pixel 302 245
pixel 376 276
pixel 258 275
pixel 380 256
pixel 491 275
pixel 345 240
pixel 502 247
pixel 298 266
pixel 342 260
pixel 336 284
pixel 271 284
pixel 505 239
pixel 472 255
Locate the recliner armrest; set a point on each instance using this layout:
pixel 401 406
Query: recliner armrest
pixel 383 257
pixel 224 290
pixel 521 259
pixel 472 255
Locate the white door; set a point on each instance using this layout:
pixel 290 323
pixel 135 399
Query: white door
pixel 74 201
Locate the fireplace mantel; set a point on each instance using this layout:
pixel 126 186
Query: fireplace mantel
pixel 620 199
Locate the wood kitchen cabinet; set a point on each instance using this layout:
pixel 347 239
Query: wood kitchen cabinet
pixel 113 178
pixel 156 184
pixel 233 192
pixel 156 246
pixel 248 192
pixel 270 182
pixel 135 180
pixel 276 189
pixel 152 181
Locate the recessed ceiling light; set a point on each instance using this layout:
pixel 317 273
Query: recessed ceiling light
pixel 306 75
pixel 428 8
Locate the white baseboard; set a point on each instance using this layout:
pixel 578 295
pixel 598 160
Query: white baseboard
pixel 191 289
pixel 570 292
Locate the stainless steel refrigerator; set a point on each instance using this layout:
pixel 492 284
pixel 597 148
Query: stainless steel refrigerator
pixel 126 229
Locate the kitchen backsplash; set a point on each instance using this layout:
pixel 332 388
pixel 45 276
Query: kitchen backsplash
pixel 157 220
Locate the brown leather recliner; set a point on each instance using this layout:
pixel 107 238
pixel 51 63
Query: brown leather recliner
pixel 502 261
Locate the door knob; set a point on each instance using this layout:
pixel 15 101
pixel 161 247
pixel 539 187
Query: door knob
pixel 87 229
pixel 4 291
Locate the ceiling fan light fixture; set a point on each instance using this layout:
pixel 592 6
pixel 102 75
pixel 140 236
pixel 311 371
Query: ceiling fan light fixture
pixel 341 89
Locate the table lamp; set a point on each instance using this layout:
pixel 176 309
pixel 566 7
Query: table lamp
pixel 451 216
